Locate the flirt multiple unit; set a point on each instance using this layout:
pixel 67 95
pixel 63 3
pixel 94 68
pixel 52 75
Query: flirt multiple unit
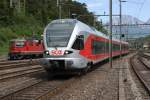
pixel 72 46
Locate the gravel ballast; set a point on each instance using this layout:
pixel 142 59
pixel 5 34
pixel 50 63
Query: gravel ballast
pixel 103 83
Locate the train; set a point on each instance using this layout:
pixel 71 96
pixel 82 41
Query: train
pixel 72 46
pixel 25 48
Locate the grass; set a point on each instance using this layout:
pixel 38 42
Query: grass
pixel 4 50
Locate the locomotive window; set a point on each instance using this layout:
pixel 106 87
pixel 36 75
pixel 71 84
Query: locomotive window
pixel 30 43
pixel 19 43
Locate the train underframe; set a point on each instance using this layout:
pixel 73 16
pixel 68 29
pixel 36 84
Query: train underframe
pixel 20 56
pixel 59 67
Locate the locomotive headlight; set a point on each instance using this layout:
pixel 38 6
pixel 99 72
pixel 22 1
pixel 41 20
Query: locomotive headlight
pixel 46 52
pixel 67 52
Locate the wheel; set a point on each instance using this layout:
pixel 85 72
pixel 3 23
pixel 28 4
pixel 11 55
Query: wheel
pixel 10 56
pixel 89 65
pixel 50 73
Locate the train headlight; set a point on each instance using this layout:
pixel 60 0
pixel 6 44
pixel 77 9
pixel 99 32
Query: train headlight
pixel 46 52
pixel 68 52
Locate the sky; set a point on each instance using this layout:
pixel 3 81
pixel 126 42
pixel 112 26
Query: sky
pixel 135 8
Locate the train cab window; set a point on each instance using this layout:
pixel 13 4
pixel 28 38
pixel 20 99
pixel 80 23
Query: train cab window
pixel 79 43
pixel 19 43
pixel 30 43
pixel 37 42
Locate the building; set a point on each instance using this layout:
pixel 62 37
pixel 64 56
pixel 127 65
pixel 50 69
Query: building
pixel 146 45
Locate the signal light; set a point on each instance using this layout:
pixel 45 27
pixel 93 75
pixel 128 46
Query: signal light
pixel 122 35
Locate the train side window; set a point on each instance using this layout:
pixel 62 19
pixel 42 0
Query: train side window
pixel 38 42
pixel 98 47
pixel 79 43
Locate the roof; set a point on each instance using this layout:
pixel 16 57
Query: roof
pixel 18 39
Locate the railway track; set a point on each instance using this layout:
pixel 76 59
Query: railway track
pixel 12 69
pixel 44 89
pixel 10 88
pixel 24 70
pixel 17 70
pixel 40 90
pixel 8 62
pixel 142 70
pixel 2 59
pixel 146 55
pixel 35 88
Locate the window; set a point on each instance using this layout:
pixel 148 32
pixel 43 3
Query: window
pixel 19 43
pixel 116 47
pixel 79 43
pixel 58 34
pixel 98 47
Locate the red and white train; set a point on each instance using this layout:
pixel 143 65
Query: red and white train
pixel 25 48
pixel 71 45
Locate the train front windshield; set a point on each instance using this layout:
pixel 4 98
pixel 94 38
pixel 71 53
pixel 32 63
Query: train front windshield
pixel 58 34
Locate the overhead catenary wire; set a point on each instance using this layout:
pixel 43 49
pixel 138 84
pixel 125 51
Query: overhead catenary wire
pixel 140 9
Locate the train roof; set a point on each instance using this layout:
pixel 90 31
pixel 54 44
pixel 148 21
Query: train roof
pixel 18 39
pixel 98 33
pixel 90 28
pixel 24 39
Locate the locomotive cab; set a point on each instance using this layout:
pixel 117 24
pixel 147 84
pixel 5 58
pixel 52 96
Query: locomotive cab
pixel 15 47
pixel 25 48
pixel 17 43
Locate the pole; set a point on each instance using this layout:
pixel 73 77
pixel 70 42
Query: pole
pixel 11 3
pixel 120 27
pixel 59 8
pixel 19 6
pixel 24 6
pixel 59 11
pixel 110 32
pixel 94 21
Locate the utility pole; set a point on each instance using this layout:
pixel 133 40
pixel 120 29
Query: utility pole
pixel 120 3
pixel 94 21
pixel 59 8
pixel 110 32
pixel 24 7
pixel 18 6
pixel 120 27
pixel 11 3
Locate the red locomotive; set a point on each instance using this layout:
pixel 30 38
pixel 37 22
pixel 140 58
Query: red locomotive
pixel 25 48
